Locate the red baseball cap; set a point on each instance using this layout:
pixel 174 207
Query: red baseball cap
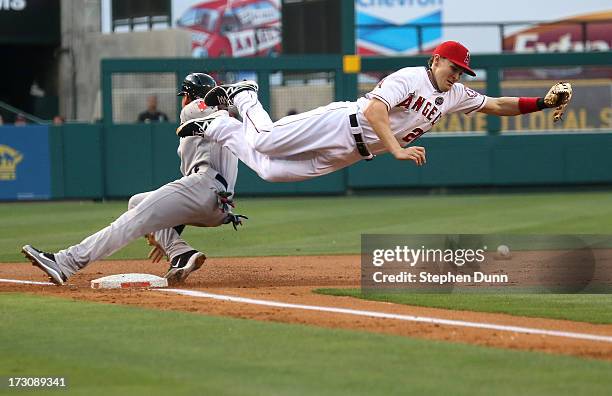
pixel 456 53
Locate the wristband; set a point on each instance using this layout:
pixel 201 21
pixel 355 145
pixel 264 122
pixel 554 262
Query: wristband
pixel 530 105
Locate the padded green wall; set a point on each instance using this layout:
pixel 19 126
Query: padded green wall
pixel 95 161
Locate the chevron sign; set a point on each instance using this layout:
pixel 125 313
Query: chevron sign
pixel 383 26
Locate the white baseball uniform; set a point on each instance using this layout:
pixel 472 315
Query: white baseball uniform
pixel 207 168
pixel 323 140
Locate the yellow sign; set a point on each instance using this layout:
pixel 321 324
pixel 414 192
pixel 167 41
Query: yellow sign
pixel 574 120
pixel 9 158
pixel 351 64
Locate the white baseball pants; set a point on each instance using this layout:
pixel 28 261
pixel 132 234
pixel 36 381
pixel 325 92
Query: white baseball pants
pixel 294 148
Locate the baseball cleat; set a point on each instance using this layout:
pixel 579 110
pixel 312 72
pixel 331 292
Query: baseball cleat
pixel 224 94
pixel 46 262
pixel 198 126
pixel 183 265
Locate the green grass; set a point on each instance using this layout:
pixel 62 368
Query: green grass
pixel 593 308
pixel 315 225
pixel 105 349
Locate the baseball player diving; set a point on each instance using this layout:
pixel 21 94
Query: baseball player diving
pixel 202 197
pixel 401 108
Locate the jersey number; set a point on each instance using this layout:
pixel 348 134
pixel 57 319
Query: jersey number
pixel 416 132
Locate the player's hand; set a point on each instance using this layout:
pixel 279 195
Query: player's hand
pixel 414 153
pixel 157 253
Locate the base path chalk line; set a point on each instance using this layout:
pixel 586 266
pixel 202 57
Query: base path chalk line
pixel 374 314
pixel 23 282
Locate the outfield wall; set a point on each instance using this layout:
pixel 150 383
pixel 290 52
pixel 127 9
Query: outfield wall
pixel 88 161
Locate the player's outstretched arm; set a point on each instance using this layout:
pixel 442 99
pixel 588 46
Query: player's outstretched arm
pixel 504 106
pixel 378 117
pixel 558 96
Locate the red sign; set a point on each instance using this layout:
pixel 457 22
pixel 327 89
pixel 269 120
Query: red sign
pixel 234 28
pixel 591 33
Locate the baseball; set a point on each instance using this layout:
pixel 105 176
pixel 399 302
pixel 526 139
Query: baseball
pixel 503 251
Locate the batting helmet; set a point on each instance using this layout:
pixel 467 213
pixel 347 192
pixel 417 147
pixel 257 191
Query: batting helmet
pixel 197 85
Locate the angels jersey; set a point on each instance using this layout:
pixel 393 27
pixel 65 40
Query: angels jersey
pixel 414 105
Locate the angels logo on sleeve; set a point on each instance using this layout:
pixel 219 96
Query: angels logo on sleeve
pixel 470 92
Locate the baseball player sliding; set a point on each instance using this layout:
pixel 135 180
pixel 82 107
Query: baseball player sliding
pixel 202 197
pixel 400 109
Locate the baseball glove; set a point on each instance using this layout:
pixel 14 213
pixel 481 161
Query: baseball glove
pixel 559 97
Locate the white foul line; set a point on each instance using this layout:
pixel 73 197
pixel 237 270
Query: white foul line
pixel 374 314
pixel 25 282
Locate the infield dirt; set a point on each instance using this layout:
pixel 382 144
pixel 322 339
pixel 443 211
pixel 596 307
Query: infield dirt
pixel 292 280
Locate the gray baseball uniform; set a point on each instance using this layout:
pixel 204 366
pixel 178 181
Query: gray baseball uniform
pixel 207 168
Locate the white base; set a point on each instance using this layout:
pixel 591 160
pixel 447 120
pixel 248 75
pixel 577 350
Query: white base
pixel 127 281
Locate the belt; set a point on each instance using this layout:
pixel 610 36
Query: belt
pixel 217 175
pixel 362 147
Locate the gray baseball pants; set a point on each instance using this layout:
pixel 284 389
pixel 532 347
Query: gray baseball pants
pixel 190 200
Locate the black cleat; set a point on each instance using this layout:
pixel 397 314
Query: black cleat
pixel 183 265
pixel 198 126
pixel 46 262
pixel 223 95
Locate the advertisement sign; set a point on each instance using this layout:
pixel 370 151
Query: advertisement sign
pixel 235 28
pixel 382 27
pixel 590 110
pixel 588 33
pixel 25 165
